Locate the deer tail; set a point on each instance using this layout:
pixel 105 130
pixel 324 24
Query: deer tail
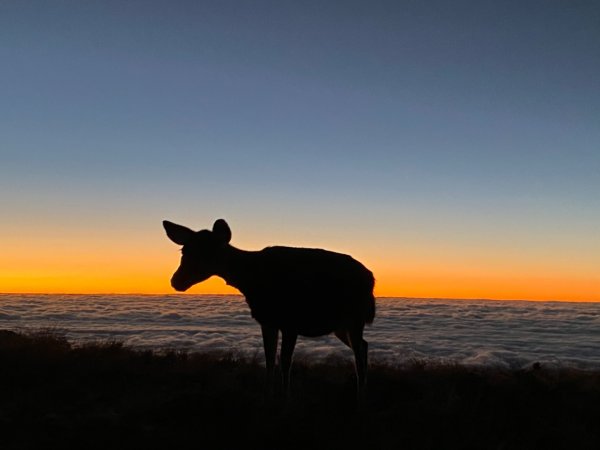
pixel 370 310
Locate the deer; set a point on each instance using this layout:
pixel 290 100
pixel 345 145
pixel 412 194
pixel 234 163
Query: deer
pixel 293 290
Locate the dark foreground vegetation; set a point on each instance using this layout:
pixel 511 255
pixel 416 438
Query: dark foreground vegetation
pixel 55 395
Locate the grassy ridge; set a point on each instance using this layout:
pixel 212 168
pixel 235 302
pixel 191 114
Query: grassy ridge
pixel 55 395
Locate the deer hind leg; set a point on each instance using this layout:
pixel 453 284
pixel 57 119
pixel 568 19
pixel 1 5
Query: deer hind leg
pixel 288 342
pixel 353 339
pixel 360 347
pixel 270 336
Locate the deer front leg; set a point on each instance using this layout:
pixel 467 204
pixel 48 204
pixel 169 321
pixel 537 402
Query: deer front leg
pixel 270 336
pixel 288 342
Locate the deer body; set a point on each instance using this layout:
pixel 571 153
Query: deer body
pixel 298 291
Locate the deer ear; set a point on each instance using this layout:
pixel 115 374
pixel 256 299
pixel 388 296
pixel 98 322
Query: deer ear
pixel 177 233
pixel 222 231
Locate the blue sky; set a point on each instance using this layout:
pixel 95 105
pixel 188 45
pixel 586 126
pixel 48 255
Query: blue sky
pixel 467 124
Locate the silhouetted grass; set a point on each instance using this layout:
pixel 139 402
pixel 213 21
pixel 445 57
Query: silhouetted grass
pixel 105 395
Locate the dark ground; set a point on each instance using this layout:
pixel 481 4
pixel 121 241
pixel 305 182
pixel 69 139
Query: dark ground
pixel 54 395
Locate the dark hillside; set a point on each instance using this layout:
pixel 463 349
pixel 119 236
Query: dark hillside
pixel 57 395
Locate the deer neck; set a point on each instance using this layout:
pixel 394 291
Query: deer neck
pixel 237 267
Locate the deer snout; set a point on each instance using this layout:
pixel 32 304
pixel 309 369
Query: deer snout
pixel 185 277
pixel 179 282
pixel 179 287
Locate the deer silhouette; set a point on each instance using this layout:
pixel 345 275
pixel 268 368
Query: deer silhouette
pixel 298 291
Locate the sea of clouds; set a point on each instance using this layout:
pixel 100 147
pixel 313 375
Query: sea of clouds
pixel 487 333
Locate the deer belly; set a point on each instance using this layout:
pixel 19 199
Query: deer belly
pixel 307 318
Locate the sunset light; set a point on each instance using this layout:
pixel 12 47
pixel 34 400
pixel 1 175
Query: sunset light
pixel 454 153
pixel 310 224
pixel 145 266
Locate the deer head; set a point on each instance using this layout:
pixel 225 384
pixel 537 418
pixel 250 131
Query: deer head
pixel 201 254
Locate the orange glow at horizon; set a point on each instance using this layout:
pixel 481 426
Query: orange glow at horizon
pixel 425 286
pixel 109 270
pixel 155 280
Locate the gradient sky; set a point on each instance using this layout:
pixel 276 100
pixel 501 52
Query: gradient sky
pixel 453 147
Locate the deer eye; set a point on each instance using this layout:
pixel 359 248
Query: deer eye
pixel 187 251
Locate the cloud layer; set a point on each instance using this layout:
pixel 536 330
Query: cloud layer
pixel 487 333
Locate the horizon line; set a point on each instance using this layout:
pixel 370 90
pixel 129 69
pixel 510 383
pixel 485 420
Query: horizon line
pixel 156 294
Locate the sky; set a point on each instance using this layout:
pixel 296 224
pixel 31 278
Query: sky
pixel 452 147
